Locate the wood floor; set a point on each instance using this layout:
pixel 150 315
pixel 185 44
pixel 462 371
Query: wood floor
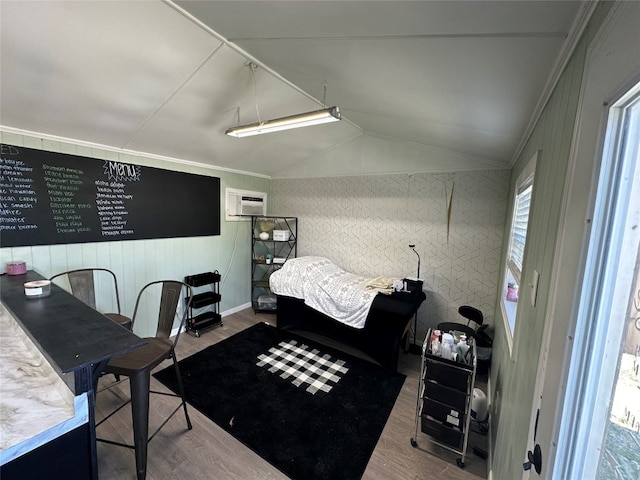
pixel 208 452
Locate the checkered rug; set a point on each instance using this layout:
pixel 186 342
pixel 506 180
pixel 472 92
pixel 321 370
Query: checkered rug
pixel 293 360
pixel 294 428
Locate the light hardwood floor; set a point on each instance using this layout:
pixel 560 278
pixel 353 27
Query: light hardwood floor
pixel 208 452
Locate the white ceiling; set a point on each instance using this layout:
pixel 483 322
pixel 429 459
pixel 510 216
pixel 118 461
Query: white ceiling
pixel 448 79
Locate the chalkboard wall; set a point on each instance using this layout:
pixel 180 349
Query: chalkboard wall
pixel 50 198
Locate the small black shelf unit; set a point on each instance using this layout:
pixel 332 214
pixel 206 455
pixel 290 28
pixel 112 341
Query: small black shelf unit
pixel 273 241
pixel 445 391
pixel 204 311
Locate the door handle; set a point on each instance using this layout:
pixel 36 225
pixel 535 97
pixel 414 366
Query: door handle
pixel 535 459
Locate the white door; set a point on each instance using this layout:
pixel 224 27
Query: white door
pixel 597 245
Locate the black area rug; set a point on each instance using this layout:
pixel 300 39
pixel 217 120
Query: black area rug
pixel 309 427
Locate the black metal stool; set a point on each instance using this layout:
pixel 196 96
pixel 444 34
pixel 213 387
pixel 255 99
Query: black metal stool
pixel 82 285
pixel 138 364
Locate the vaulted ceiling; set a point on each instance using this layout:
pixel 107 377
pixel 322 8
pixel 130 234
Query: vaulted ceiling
pixel 419 83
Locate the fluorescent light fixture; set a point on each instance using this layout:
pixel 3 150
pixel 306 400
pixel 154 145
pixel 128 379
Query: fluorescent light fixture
pixel 318 117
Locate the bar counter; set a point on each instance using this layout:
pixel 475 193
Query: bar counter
pixel 36 405
pixel 52 350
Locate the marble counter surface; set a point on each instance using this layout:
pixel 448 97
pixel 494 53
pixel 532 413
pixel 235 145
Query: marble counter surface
pixel 36 406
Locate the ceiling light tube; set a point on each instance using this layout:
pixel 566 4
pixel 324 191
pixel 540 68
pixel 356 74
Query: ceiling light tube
pixel 331 114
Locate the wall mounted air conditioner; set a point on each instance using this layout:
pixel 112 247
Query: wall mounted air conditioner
pixel 251 205
pixel 241 204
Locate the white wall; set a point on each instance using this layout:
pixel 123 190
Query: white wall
pixel 137 262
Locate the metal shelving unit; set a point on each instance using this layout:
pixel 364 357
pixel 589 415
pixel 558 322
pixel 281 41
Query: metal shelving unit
pixel 273 241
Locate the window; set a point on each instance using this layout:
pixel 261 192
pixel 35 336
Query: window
pixel 519 230
pixel 517 241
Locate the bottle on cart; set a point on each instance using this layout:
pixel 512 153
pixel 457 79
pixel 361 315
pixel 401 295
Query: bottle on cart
pixel 447 346
pixel 462 348
pixel 435 342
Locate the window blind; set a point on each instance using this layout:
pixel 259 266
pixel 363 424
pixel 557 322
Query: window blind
pixel 519 230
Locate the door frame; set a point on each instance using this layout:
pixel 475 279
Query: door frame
pixel 608 73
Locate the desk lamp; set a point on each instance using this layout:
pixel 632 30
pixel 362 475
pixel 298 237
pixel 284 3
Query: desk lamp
pixel 414 348
pixel 413 247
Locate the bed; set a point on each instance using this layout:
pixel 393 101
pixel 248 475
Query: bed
pixel 317 296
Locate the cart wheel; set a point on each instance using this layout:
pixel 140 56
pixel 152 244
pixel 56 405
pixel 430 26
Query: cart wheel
pixel 460 462
pixel 197 334
pixel 414 444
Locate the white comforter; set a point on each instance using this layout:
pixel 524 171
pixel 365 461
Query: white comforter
pixel 325 287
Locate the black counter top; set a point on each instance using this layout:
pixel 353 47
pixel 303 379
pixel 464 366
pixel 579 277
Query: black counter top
pixel 71 335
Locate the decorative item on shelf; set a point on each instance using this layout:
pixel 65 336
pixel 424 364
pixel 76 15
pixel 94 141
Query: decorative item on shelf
pixel 281 235
pixel 264 236
pixel 266 225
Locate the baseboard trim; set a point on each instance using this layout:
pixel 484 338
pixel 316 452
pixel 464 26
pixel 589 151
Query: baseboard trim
pixel 237 309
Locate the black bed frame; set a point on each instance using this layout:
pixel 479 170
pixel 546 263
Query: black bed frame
pixel 381 337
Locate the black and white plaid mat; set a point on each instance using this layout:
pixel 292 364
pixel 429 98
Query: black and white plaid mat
pixel 319 372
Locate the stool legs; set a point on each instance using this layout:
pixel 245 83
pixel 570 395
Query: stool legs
pixel 139 384
pixel 181 390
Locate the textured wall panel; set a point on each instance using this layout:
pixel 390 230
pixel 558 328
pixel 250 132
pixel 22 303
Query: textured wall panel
pixel 366 223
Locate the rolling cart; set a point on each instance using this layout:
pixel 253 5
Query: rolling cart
pixel 445 392
pixel 204 311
